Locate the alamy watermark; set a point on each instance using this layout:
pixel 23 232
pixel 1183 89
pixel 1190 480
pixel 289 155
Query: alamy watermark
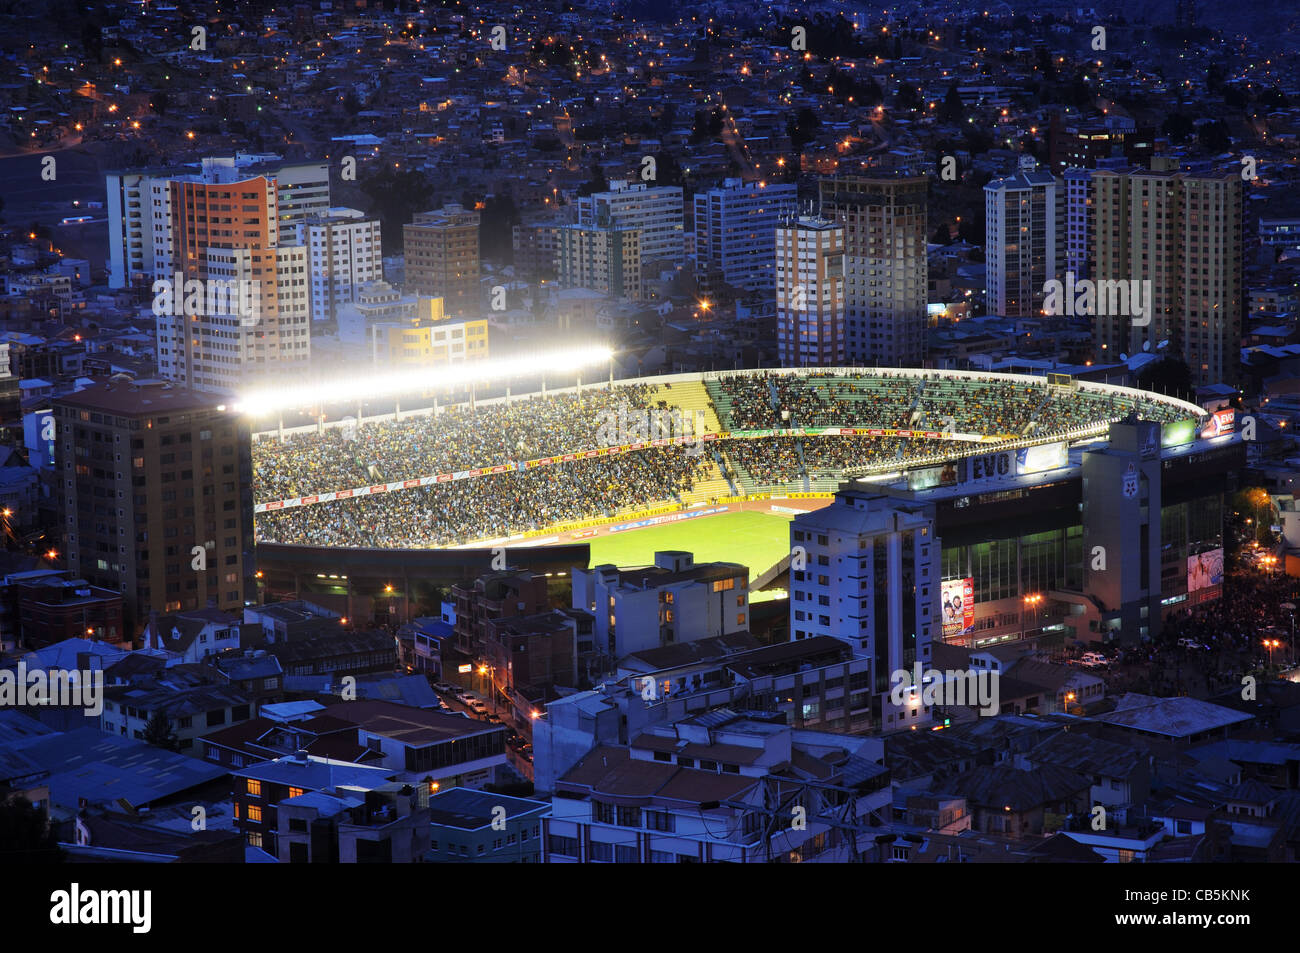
pixel 623 426
pixel 76 906
pixel 238 297
pixel 1107 297
pixel 59 688
pixel 955 688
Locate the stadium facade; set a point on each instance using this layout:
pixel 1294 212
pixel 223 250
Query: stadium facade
pixel 1099 542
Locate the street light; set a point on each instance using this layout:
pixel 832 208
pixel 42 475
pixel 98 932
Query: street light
pixel 1290 608
pixel 1271 644
pixel 1031 604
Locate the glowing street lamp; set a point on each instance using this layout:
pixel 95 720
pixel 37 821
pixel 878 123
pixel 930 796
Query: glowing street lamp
pixel 1271 644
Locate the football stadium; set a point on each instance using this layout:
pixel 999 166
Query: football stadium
pixel 604 463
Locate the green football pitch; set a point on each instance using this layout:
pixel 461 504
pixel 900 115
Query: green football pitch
pixel 756 540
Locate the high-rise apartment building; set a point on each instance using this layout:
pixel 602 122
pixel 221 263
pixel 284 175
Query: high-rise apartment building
pixel 230 290
pixel 1024 217
pixel 139 210
pixel 602 259
pixel 344 252
pixel 871 580
pixel 442 257
pixel 131 219
pixel 885 267
pixel 734 225
pixel 1078 221
pixel 809 293
pixel 155 496
pixel 654 211
pixel 1181 232
pixel 1079 246
pixel 229 234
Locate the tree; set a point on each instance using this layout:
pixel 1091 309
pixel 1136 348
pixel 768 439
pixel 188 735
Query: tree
pixel 907 99
pixel 803 128
pixel 667 169
pixel 160 102
pixel 1169 375
pixel 1272 99
pixel 396 193
pixel 1214 78
pixel 1213 136
pixel 158 732
pixel 26 836
pixel 1178 127
pixel 496 228
pixel 953 108
pixel 597 182
pixel 1046 65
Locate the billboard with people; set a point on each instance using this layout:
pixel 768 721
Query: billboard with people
pixel 1205 570
pixel 958 606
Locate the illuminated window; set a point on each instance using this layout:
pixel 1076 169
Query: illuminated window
pixel 254 788
pixel 722 585
pixel 295 792
pixel 255 813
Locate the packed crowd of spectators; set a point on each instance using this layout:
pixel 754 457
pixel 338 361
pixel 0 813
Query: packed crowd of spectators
pixel 457 438
pixel 490 506
pixel 932 402
pixel 460 438
pixel 771 461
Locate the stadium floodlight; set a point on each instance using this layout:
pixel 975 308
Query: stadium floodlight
pixel 418 381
